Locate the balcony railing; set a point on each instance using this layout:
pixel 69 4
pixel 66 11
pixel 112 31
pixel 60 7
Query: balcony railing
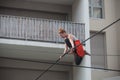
pixel 16 27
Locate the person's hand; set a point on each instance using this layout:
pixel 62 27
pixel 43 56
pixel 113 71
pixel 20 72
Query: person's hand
pixel 60 57
pixel 71 50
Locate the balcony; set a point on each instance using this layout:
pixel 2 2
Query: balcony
pixel 37 29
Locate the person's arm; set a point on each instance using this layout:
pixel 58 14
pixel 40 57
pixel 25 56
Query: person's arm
pixel 72 43
pixel 71 40
pixel 65 50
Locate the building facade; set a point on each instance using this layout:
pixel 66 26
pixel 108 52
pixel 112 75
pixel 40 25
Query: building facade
pixel 29 41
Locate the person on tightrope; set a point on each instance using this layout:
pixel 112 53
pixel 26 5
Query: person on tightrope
pixel 70 42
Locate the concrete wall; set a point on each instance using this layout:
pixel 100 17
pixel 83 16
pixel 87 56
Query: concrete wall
pixel 33 13
pixel 25 70
pixel 113 78
pixel 24 4
pixel 118 29
pixel 37 6
pixel 112 13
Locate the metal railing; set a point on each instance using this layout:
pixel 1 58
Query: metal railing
pixel 38 29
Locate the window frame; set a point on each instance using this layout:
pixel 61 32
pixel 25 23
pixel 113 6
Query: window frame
pixel 91 6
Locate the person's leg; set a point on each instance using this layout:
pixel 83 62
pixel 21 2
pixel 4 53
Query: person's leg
pixel 78 59
pixel 86 53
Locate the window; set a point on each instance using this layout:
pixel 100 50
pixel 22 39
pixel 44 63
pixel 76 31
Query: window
pixel 96 8
pixel 98 50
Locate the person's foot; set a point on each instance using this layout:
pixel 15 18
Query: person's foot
pixel 86 53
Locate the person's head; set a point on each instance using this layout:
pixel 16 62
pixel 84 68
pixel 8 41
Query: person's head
pixel 62 33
